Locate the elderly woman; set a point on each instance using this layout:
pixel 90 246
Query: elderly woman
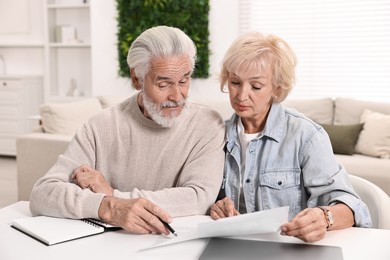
pixel 276 156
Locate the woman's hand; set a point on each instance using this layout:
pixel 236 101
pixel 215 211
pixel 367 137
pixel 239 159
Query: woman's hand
pixel 88 178
pixel 308 225
pixel 223 208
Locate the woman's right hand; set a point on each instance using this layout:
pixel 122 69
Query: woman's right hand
pixel 223 208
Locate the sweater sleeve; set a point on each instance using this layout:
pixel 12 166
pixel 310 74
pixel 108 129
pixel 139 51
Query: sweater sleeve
pixel 56 195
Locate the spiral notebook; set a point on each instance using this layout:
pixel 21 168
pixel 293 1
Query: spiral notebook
pixel 51 231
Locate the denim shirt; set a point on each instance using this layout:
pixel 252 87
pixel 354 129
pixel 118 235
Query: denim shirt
pixel 290 164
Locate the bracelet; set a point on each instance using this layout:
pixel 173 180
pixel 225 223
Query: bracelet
pixel 328 216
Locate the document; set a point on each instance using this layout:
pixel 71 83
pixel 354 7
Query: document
pixel 265 221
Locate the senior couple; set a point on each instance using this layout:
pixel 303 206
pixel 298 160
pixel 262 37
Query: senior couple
pixel 157 156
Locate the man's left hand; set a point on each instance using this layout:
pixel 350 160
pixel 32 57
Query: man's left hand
pixel 88 178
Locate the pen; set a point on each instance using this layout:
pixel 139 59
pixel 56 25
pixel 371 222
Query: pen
pixel 168 227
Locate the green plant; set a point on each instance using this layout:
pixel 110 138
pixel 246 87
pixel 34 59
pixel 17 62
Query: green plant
pixel 191 16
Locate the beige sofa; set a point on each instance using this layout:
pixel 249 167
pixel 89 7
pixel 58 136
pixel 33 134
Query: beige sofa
pixel 36 152
pixel 370 145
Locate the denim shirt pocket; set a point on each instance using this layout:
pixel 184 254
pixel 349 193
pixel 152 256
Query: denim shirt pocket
pixel 280 188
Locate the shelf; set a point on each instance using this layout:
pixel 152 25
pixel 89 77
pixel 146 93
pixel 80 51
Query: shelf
pixel 19 77
pixel 21 45
pixel 67 6
pixel 69 45
pixel 68 61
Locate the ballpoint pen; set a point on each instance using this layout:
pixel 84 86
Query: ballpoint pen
pixel 168 227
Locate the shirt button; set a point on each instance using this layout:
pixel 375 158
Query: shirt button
pixel 248 181
pixel 280 183
pixel 251 151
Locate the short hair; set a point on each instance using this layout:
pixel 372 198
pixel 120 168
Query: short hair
pixel 266 51
pixel 156 42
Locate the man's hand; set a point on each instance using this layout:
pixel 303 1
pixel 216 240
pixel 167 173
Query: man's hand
pixel 308 225
pixel 88 178
pixel 223 208
pixel 139 216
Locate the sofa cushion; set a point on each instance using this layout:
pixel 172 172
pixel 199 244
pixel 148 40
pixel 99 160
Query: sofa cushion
pixel 222 106
pixel 108 101
pixel 370 168
pixel 374 139
pixel 67 118
pixel 343 137
pixel 318 110
pixel 348 111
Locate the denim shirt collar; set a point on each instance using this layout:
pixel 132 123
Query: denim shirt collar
pixel 273 129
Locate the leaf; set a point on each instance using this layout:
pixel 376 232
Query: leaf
pixel 191 16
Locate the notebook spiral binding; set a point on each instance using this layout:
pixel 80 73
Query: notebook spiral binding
pixel 98 223
pixel 93 222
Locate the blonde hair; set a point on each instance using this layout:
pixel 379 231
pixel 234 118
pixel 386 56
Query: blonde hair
pixel 266 51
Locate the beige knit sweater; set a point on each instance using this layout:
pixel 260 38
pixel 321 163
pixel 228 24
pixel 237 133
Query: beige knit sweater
pixel 179 168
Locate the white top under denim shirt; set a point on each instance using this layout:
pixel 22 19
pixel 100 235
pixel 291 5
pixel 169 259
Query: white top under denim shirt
pixel 244 139
pixel 290 164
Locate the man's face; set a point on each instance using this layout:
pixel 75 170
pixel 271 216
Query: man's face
pixel 165 89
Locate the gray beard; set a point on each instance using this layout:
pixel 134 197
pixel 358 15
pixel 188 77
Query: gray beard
pixel 156 113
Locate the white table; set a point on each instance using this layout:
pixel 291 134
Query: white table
pixel 356 243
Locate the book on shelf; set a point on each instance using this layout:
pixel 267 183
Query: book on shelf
pixel 51 230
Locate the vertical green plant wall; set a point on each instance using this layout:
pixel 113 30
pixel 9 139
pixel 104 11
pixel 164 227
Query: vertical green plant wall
pixel 191 16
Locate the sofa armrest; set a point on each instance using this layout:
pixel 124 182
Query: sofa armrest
pixel 35 154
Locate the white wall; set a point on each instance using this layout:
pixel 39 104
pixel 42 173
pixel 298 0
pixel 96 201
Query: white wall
pixel 105 64
pixel 223 26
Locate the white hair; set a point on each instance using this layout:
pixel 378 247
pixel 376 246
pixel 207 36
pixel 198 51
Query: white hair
pixel 159 41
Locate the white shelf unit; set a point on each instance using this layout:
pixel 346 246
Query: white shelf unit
pixel 37 67
pixel 22 51
pixel 20 97
pixel 68 63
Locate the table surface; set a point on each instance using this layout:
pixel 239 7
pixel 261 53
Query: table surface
pixel 356 243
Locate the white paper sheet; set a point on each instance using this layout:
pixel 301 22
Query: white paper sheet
pixel 265 221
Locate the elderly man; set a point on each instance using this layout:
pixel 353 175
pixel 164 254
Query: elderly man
pixel 150 158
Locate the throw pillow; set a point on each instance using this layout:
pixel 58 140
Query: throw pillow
pixel 374 139
pixel 343 137
pixel 319 110
pixel 108 101
pixel 67 118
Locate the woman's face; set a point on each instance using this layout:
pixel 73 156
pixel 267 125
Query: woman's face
pixel 251 92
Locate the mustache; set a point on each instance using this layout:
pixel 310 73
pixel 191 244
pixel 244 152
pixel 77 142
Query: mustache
pixel 166 104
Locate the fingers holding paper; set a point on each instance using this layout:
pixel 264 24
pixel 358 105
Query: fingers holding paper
pixel 309 225
pixel 139 216
pixel 223 208
pixel 88 178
